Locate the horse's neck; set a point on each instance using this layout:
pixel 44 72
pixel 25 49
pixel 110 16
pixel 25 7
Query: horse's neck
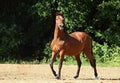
pixel 58 33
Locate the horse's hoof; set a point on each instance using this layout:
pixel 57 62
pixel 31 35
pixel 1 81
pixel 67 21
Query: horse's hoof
pixel 57 77
pixel 96 78
pixel 75 77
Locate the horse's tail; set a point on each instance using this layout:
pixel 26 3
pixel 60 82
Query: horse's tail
pixel 92 50
pixel 91 47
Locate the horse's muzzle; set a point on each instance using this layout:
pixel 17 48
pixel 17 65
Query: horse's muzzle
pixel 61 27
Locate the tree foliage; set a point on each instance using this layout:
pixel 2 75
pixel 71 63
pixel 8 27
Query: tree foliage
pixel 27 26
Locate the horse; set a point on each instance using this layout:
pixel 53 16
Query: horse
pixel 70 44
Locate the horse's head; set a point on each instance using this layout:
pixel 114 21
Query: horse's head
pixel 60 20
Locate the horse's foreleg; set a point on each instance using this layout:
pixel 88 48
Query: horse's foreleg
pixel 51 63
pixel 60 66
pixel 79 65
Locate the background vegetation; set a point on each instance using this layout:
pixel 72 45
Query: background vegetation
pixel 27 26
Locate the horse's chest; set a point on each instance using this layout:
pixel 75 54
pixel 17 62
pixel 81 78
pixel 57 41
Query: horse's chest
pixel 57 45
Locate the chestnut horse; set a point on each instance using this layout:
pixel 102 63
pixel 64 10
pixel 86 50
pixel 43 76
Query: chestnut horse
pixel 70 44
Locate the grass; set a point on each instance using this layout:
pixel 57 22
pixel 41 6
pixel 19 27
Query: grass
pixel 85 62
pixel 109 64
pixel 68 61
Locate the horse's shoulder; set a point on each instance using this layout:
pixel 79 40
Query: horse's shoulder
pixel 57 42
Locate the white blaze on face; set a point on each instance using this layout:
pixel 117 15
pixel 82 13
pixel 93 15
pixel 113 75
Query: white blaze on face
pixel 61 25
pixel 61 17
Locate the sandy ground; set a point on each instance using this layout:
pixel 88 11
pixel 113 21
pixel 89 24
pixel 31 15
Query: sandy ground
pixel 27 73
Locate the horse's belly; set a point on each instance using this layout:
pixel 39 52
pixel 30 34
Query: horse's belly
pixel 73 50
pixel 71 53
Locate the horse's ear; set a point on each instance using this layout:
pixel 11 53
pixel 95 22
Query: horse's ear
pixel 59 13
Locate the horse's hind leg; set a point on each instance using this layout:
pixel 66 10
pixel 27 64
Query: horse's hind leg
pixel 51 63
pixel 93 64
pixel 92 60
pixel 79 65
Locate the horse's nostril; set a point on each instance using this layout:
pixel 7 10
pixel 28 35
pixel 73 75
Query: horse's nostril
pixel 61 25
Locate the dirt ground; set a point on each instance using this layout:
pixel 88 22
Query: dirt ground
pixel 27 73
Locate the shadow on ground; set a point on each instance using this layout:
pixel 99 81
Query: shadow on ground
pixel 99 79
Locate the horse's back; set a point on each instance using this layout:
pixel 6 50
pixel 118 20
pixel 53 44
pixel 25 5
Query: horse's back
pixel 81 36
pixel 85 38
pixel 75 43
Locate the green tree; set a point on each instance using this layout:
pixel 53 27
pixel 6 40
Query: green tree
pixel 107 22
pixel 27 26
